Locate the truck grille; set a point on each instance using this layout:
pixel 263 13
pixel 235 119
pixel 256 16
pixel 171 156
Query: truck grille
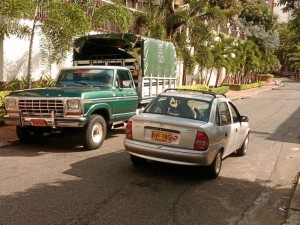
pixel 41 107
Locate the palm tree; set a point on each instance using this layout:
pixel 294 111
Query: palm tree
pixel 11 13
pixel 221 49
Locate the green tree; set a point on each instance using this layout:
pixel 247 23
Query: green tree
pixel 59 23
pixel 221 49
pixel 289 46
pixel 11 13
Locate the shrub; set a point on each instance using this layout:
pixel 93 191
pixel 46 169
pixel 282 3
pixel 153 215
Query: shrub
pixel 198 87
pixel 240 87
pixel 220 90
pixel 268 75
pixel 2 101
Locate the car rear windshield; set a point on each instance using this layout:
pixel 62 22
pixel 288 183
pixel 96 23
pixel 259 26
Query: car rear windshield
pixel 180 107
pixel 90 77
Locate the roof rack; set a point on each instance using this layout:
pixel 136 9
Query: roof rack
pixel 214 94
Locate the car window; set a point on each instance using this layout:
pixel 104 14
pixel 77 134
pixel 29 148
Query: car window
pixel 224 114
pixel 180 107
pixel 235 113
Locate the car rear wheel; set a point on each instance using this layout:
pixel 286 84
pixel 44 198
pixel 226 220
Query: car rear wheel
pixel 243 150
pixel 94 132
pixel 138 161
pixel 214 169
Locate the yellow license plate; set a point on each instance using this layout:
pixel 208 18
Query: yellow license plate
pixel 161 136
pixel 38 123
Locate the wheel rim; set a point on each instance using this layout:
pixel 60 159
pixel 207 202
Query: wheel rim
pixel 97 133
pixel 218 163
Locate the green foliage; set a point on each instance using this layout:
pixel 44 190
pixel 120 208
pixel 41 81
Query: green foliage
pixel 220 90
pixel 240 87
pixel 62 23
pixel 116 12
pixel 259 13
pixel 3 94
pixel 20 84
pixel 11 11
pixel 267 75
pixel 198 87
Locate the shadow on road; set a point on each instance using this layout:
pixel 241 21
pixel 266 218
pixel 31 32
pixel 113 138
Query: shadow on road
pixel 108 189
pixel 60 142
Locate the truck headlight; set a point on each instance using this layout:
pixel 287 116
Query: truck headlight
pixel 11 103
pixel 74 107
pixel 74 104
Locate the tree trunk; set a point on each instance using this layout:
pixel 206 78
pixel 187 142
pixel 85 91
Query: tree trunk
pixel 28 77
pixel 217 78
pixel 1 59
pixel 207 84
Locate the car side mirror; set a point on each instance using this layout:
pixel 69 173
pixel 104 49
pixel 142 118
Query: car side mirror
pixel 244 119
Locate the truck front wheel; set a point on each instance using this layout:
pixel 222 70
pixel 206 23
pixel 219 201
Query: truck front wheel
pixel 23 133
pixel 94 132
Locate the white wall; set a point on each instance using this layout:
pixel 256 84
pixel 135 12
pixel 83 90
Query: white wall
pixel 16 59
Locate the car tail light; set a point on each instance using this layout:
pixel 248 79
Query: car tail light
pixel 201 141
pixel 128 131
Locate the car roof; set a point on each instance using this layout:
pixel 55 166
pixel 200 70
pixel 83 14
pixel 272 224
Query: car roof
pixel 195 94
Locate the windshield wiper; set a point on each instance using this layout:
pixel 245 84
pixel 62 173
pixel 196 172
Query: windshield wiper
pixel 84 83
pixel 60 84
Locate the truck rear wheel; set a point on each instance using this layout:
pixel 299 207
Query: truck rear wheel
pixel 94 132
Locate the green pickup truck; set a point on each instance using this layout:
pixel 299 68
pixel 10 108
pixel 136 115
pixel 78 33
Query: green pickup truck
pixel 107 84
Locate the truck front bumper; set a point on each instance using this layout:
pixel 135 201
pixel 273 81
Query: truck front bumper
pixel 54 122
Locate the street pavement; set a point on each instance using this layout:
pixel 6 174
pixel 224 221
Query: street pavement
pixel 8 137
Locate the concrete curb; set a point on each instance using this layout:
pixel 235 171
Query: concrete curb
pixel 293 217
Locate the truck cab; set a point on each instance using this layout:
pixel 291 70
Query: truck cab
pixel 89 98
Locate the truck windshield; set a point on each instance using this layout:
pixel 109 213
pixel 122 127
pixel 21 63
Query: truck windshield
pixel 90 77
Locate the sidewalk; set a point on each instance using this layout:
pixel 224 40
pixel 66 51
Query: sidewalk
pixel 8 137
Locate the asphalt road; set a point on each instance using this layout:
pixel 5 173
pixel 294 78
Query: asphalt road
pixel 53 181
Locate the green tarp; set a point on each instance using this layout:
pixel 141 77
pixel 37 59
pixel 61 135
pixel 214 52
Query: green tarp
pixel 159 57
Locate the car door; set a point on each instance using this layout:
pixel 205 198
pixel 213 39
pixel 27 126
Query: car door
pixel 126 94
pixel 226 127
pixel 240 129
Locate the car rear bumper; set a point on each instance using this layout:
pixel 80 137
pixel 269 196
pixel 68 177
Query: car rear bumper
pixel 172 155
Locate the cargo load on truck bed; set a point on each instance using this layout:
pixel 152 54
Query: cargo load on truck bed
pixel 151 61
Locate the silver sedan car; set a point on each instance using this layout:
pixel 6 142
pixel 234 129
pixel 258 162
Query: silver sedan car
pixel 187 127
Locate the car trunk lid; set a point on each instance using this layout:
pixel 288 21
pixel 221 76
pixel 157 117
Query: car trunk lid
pixel 165 130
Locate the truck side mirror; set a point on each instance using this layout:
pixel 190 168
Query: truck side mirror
pixel 126 83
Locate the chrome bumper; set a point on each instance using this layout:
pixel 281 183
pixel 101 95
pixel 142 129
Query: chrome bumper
pixel 170 154
pixel 53 122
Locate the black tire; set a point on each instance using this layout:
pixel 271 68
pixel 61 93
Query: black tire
pixel 23 133
pixel 94 132
pixel 138 161
pixel 214 169
pixel 243 150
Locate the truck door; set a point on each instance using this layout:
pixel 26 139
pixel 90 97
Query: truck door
pixel 126 94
